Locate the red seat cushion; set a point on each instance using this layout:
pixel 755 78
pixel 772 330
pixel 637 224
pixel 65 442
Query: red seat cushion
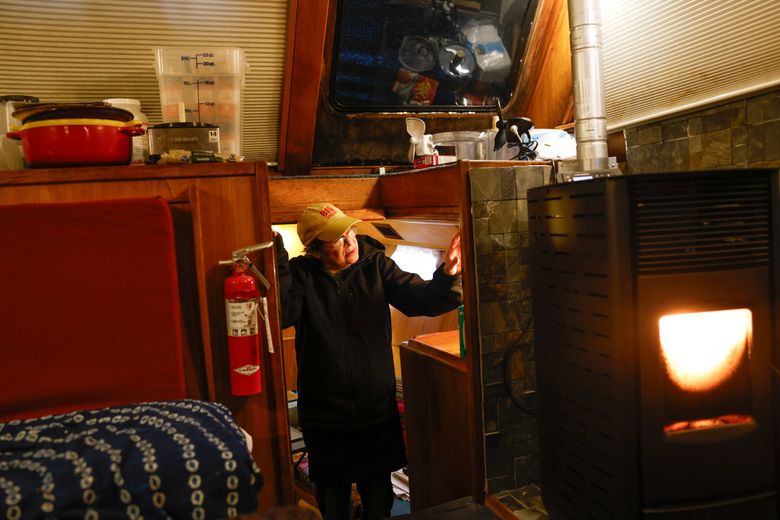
pixel 89 306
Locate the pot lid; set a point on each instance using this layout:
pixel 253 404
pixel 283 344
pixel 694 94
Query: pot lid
pixel 78 122
pixel 29 112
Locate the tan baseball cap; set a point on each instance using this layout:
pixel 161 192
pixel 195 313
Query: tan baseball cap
pixel 324 221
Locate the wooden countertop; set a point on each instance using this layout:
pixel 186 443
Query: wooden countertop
pixel 441 346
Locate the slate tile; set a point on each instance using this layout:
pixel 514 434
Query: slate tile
pixel 755 143
pixel 522 215
pixel 492 368
pixel 739 135
pixel 492 393
pixel 492 292
pixel 499 461
pixel 508 183
pixel 716 147
pixel 481 235
pixel 514 266
pixel 772 140
pixel 694 126
pixel 502 216
pixel 528 177
pixel 512 241
pixel 739 155
pixel 755 110
pixel 485 319
pixel 649 134
pixel 497 242
pixel 485 184
pixel 479 209
pixel 491 267
pixel 674 129
pixel 631 137
pixel 490 411
pixel 694 143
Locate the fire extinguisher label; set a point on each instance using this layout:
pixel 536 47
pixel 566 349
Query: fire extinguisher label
pixel 247 370
pixel 241 318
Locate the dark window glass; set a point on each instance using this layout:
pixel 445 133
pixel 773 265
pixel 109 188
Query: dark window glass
pixel 428 54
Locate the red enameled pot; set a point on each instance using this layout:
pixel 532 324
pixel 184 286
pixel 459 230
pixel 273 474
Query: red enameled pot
pixel 77 142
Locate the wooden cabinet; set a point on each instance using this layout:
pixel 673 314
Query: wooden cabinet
pixel 217 208
pixel 443 418
pixel 436 393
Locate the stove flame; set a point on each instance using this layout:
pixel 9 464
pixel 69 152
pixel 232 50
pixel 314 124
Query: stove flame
pixel 703 349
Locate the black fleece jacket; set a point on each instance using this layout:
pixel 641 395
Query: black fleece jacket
pixel 343 334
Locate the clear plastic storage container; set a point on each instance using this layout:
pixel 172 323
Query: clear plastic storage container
pixel 203 86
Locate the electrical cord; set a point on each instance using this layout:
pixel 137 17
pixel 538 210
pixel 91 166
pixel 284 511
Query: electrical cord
pixel 526 145
pixel 506 365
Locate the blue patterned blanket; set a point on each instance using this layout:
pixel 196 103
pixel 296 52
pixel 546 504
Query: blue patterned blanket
pixel 167 459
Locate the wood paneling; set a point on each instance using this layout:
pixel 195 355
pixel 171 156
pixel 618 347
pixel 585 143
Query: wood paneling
pixel 305 45
pixel 358 196
pixel 437 422
pixel 273 408
pixel 198 370
pixel 434 187
pixel 544 90
pixel 227 205
pixel 290 360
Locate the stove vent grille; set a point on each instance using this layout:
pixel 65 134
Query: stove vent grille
pixel 701 222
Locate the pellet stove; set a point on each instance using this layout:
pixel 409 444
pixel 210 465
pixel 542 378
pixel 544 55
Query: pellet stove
pixel 655 321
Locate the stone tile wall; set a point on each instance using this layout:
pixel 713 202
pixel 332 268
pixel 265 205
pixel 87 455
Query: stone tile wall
pixel 739 134
pixel 500 220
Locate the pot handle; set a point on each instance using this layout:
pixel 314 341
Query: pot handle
pixel 13 135
pixel 132 130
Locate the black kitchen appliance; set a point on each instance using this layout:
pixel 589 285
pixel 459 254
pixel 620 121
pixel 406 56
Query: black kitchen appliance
pixel 655 321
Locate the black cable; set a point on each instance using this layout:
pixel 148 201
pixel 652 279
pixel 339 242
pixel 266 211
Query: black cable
pixel 527 149
pixel 516 346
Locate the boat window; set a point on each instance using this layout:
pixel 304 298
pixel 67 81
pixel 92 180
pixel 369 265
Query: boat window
pixel 428 55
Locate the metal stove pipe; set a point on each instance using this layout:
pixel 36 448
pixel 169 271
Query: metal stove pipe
pixel 587 81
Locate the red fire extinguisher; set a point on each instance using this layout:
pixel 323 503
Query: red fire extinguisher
pixel 243 304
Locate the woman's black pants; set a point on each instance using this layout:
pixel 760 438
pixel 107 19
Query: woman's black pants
pixel 334 499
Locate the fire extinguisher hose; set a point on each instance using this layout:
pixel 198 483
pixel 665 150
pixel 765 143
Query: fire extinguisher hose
pixel 267 320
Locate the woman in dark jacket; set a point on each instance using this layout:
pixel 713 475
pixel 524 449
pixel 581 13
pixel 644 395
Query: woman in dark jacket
pixel 337 297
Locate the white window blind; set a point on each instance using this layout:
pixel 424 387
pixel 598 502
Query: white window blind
pixel 90 50
pixel 666 56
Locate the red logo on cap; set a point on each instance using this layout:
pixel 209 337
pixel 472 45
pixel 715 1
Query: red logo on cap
pixel 327 211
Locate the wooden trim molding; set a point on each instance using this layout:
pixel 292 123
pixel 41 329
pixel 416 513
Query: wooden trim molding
pixel 308 24
pixel 543 90
pixel 200 266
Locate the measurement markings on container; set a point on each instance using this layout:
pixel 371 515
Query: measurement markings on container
pixel 198 61
pixel 198 102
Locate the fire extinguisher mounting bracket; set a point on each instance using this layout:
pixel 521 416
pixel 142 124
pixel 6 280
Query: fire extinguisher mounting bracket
pixel 241 255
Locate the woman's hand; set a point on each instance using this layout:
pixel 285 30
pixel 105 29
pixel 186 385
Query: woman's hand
pixel 452 264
